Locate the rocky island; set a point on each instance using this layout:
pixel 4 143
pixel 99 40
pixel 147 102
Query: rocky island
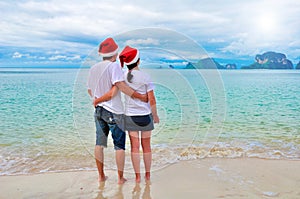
pixel 207 63
pixel 267 60
pixel 270 60
pixel 298 66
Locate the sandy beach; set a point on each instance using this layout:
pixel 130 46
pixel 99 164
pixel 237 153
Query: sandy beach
pixel 205 178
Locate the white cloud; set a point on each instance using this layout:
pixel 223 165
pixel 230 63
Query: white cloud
pixel 57 57
pixel 148 41
pixel 216 40
pixel 17 55
pixel 234 27
pixel 64 57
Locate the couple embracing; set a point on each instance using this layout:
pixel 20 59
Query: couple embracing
pixel 106 81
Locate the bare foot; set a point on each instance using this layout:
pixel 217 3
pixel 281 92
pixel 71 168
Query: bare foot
pixel 137 180
pixel 137 177
pixel 147 176
pixel 102 178
pixel 122 181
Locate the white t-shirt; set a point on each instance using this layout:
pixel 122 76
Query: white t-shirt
pixel 102 76
pixel 141 82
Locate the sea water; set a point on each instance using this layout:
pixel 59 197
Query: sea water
pixel 47 125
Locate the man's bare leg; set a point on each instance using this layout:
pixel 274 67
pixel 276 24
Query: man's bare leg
pixel 120 160
pixel 99 156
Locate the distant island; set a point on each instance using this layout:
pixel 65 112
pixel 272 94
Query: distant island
pixel 207 63
pixel 267 60
pixel 210 63
pixel 270 60
pixel 298 65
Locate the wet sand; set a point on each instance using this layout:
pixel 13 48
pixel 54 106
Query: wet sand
pixel 205 178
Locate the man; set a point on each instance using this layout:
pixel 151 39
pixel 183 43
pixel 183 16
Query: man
pixel 109 113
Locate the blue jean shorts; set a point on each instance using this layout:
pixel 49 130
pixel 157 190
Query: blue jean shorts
pixel 139 123
pixel 107 121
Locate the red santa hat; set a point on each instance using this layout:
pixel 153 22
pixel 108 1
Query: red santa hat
pixel 108 48
pixel 129 56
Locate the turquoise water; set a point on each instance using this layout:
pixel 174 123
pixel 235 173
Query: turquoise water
pixel 47 118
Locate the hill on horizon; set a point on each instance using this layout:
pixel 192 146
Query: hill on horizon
pixel 270 60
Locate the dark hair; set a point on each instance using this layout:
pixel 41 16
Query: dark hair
pixel 130 67
pixel 107 58
pixel 129 76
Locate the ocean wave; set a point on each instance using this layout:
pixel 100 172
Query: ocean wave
pixel 163 156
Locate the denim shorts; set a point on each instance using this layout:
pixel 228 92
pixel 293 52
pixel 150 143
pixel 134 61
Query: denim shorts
pixel 139 123
pixel 107 121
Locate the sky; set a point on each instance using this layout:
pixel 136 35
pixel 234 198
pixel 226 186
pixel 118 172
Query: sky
pixel 64 33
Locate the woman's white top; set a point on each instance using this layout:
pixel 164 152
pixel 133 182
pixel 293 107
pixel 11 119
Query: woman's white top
pixel 141 83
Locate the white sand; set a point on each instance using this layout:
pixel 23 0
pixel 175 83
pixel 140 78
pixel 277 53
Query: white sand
pixel 206 178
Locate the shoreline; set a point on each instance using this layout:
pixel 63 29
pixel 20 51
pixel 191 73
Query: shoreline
pixel 204 178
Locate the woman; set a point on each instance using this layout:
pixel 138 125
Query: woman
pixel 139 115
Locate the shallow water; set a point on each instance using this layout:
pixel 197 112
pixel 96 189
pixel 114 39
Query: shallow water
pixel 47 118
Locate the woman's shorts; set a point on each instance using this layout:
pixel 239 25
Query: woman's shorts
pixel 139 123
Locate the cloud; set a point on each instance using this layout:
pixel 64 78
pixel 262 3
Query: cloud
pixel 64 57
pixel 235 28
pixel 45 58
pixel 57 57
pixel 148 41
pixel 17 55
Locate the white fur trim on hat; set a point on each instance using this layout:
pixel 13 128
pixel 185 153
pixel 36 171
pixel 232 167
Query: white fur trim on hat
pixel 109 54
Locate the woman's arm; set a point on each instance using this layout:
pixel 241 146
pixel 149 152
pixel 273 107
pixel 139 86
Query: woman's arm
pixel 107 96
pixel 152 102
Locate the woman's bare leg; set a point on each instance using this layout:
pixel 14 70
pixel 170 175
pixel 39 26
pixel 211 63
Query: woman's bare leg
pixel 147 153
pixel 135 154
